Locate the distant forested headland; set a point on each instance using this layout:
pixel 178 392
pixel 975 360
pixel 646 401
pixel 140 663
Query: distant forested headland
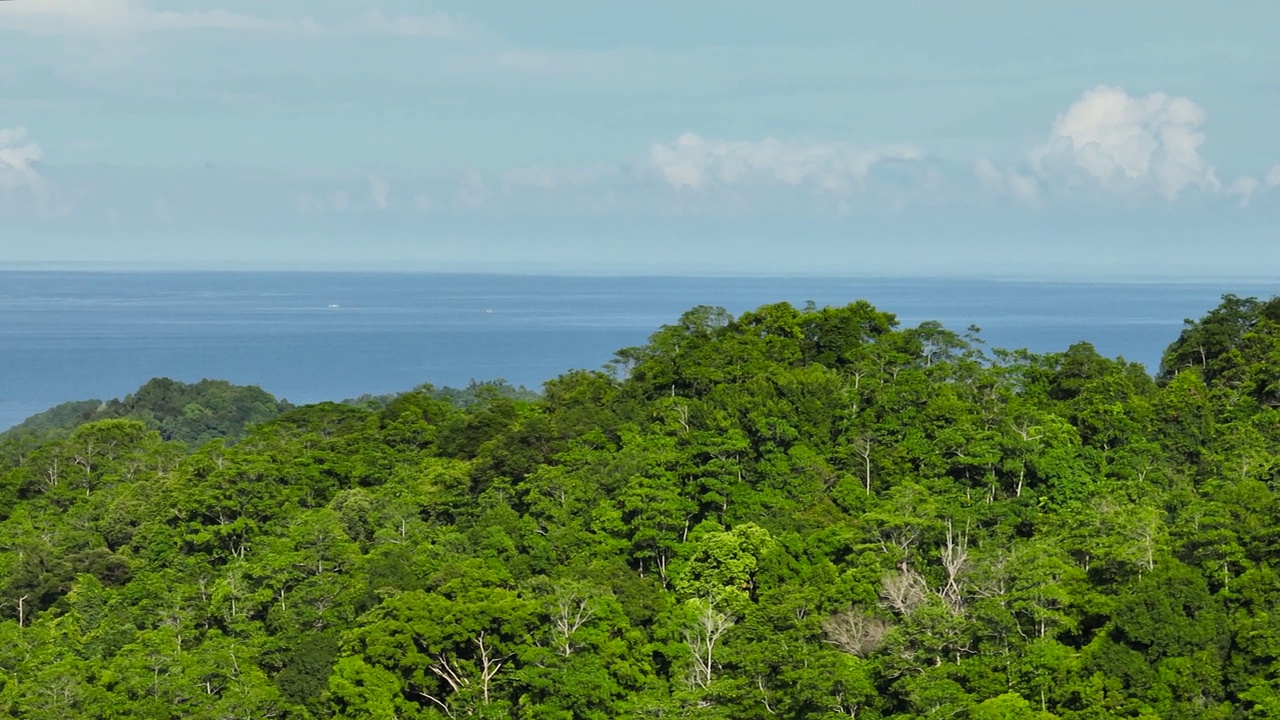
pixel 794 513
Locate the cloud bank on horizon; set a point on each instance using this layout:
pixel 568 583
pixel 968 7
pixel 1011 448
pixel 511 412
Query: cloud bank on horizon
pixel 119 121
pixel 1107 143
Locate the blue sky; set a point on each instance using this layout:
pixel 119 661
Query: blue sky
pixel 994 137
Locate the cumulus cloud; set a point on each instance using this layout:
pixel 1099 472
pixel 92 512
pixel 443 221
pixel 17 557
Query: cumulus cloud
pixel 379 192
pixel 108 17
pixel 1123 143
pixel 694 162
pixel 19 163
pixel 1244 187
pixel 348 198
pixel 1008 180
pixel 1247 187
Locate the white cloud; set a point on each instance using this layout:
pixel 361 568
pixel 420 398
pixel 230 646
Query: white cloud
pixel 551 178
pixel 694 162
pixel 19 163
pixel 334 201
pixel 126 17
pixel 474 192
pixel 988 175
pixel 379 192
pixel 535 178
pixel 1122 143
pixel 348 199
pixel 436 25
pixel 1273 178
pixel 133 17
pixel 1245 187
pixel 1009 180
pixel 1248 187
pixel 211 20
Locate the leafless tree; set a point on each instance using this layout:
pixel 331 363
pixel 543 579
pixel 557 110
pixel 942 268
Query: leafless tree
pixel 235 587
pixel 1146 532
pixel 904 591
pixel 456 681
pixel 708 626
pixel 764 695
pixel 856 632
pixel 955 560
pixel 52 473
pixel 862 446
pixel 489 666
pixel 454 676
pixel 569 612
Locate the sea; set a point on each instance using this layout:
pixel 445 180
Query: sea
pixel 308 337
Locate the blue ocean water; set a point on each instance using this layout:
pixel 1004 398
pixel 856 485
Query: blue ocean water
pixel 328 336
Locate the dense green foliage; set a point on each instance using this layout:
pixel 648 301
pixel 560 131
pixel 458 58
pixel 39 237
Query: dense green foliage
pixel 474 393
pixel 790 514
pixel 188 413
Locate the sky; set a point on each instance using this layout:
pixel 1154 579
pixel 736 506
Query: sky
pixel 998 137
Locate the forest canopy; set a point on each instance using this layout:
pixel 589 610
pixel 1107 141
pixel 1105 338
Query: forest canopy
pixel 793 513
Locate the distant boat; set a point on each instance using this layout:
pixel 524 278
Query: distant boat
pixel 335 306
pixel 488 311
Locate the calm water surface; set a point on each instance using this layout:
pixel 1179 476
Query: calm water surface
pixel 310 337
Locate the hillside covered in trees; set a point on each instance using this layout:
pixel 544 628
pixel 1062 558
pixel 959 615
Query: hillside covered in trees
pixel 796 513
pixel 187 413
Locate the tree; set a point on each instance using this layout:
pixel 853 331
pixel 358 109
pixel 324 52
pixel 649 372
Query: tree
pixel 704 628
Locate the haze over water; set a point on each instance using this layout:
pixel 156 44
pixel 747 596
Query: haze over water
pixel 328 336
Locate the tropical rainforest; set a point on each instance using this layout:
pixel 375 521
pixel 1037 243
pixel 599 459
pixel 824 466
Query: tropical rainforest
pixel 799 512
